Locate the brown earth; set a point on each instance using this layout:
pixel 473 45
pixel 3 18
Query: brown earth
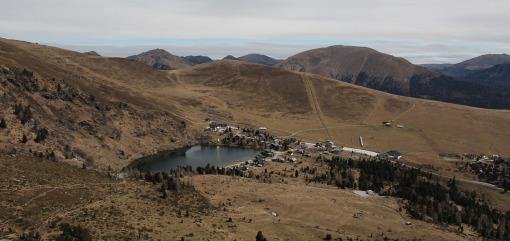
pixel 154 110
pixel 288 103
pixel 91 106
pixel 372 69
pixel 38 195
pixel 358 65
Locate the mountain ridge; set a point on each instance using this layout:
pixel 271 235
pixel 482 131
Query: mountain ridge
pixel 153 110
pixel 259 59
pixel 373 69
pixel 161 59
pixel 469 66
pixel 495 75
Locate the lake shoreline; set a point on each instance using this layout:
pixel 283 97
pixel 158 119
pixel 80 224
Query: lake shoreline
pixel 141 163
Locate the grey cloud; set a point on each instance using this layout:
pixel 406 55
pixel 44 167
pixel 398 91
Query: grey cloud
pixel 434 26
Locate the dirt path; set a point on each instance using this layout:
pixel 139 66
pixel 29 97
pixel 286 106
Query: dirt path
pixel 314 103
pixel 75 186
pixel 39 196
pixel 404 112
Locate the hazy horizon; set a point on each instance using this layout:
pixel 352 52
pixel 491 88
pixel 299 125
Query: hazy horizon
pixel 420 31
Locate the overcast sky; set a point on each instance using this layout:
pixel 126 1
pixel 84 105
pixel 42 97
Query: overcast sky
pixel 423 31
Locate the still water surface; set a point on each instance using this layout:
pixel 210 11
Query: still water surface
pixel 198 155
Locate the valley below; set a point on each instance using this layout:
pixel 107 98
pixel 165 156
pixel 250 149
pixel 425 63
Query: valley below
pixel 74 124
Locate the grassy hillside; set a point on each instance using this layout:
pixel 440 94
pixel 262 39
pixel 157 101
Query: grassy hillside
pixel 300 104
pixel 95 112
pixel 370 68
pixel 290 103
pixel 91 108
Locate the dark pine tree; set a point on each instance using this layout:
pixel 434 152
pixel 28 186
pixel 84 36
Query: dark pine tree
pixel 24 139
pixel 260 237
pixel 3 124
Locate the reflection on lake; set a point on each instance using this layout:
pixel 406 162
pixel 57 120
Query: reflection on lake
pixel 195 156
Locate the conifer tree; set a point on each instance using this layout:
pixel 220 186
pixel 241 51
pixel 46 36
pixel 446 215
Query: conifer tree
pixel 3 124
pixel 24 139
pixel 260 237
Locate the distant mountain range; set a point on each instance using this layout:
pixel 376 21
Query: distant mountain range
pixel 259 59
pixel 495 75
pixel 255 58
pixel 230 57
pixel 198 59
pixel 161 59
pixel 470 66
pixel 358 65
pixel 481 81
pixel 372 69
pixel 490 69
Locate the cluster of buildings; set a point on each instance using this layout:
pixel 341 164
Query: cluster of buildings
pixel 480 157
pixel 491 169
pixel 220 127
pixel 283 150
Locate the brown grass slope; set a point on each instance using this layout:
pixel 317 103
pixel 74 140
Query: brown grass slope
pixel 38 195
pixel 359 65
pixel 370 68
pixel 114 110
pixel 289 103
pixel 91 106
pixel 282 101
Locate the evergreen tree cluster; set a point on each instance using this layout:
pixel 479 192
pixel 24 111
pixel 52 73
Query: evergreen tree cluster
pixel 41 134
pixel 215 170
pixel 260 236
pixel 428 198
pixel 23 113
pixel 69 233
pixel 3 124
pixel 73 233
pixel 175 174
pixel 31 236
pixel 24 80
pixel 169 181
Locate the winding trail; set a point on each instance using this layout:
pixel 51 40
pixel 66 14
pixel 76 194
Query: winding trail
pixel 51 189
pixel 314 103
pixel 404 112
